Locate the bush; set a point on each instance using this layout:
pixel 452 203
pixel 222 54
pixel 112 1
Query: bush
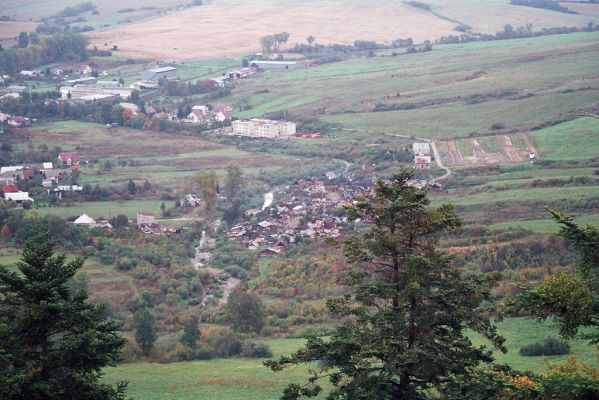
pixel 497 126
pixel 126 264
pixel 551 346
pixel 255 350
pixel 224 344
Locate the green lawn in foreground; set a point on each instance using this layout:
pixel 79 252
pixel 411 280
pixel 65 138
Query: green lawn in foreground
pixel 573 140
pixel 240 378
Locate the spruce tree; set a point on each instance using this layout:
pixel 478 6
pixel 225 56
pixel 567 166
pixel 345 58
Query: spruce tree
pixel 53 342
pixel 403 326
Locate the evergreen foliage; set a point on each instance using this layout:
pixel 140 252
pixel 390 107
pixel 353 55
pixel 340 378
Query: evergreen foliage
pixel 403 328
pixel 572 300
pixel 53 343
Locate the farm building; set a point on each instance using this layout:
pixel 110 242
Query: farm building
pixel 156 74
pixel 265 128
pixel 18 197
pixel 267 64
pixel 94 92
pixel 421 149
pixel 422 162
pixel 85 220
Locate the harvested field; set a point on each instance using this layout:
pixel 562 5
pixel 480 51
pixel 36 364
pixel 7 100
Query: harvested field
pixel 487 150
pixel 233 27
pixel 489 16
pixel 10 29
pixel 583 8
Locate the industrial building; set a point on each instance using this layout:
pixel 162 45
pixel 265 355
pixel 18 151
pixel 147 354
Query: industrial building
pixel 156 74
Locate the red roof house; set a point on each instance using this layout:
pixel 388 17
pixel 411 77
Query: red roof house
pixel 69 158
pixel 9 188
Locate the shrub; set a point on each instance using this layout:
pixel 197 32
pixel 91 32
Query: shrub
pixel 224 343
pixel 497 126
pixel 255 350
pixel 551 346
pixel 126 264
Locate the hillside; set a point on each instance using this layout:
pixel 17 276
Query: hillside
pixel 234 27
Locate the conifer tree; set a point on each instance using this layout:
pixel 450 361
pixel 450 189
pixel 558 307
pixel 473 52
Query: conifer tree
pixel 403 327
pixel 53 342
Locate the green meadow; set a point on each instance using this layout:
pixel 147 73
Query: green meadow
pixel 242 378
pixel 573 140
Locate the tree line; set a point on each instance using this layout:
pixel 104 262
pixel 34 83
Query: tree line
pixel 59 47
pixel 509 32
pixel 545 4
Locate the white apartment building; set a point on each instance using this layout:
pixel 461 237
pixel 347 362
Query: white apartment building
pixel 266 128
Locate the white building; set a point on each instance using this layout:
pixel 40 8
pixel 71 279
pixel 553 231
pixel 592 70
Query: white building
pixel 18 197
pixel 421 149
pixel 272 64
pixel 85 220
pixel 80 91
pixel 265 128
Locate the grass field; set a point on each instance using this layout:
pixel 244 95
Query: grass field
pixel 522 195
pixel 228 379
pixel 545 225
pixel 555 75
pixel 573 140
pixel 163 159
pixel 106 209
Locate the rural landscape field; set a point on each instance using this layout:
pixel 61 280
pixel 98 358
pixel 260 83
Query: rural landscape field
pixel 284 199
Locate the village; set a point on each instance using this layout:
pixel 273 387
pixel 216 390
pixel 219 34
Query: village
pixel 310 208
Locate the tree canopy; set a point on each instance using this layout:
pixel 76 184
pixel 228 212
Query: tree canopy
pixel 403 326
pixel 571 299
pixel 145 330
pixel 245 312
pixel 53 343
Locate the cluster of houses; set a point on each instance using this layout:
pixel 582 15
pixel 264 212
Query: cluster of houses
pixel 148 224
pixel 204 114
pixel 231 78
pixel 308 212
pixel 15 121
pixel 422 155
pixel 54 180
pixel 263 128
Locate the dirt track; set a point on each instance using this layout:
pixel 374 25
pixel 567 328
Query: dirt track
pixel 233 27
